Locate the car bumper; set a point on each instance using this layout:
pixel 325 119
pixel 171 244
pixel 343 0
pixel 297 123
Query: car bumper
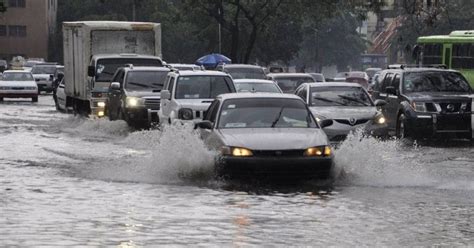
pixel 338 132
pixel 292 168
pixel 142 115
pixel 44 85
pixel 441 125
pixel 19 94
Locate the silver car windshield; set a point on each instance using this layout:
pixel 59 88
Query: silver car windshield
pixel 257 87
pixel 339 96
pixel 17 76
pixel 202 87
pixel 242 73
pixel 265 113
pixel 289 84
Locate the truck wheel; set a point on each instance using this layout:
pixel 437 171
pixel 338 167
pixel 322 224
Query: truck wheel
pixel 401 130
pixel 34 99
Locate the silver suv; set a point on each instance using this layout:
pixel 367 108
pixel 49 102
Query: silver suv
pixel 186 95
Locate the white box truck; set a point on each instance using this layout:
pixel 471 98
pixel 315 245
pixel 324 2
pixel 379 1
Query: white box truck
pixel 93 50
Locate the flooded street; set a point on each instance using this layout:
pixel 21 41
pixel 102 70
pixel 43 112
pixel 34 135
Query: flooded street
pixel 66 181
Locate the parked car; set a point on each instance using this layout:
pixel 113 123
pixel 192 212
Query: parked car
pixel 426 102
pixel 318 77
pixel 243 71
pixel 288 82
pixel 18 84
pixel 61 101
pixel 348 105
pixel 256 85
pixel 371 71
pixel 186 67
pixel 187 94
pixel 264 135
pixel 134 95
pixel 43 74
pixel 359 77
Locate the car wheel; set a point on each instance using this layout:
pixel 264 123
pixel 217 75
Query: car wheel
pixel 401 130
pixel 34 99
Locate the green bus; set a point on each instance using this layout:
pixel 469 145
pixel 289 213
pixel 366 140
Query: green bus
pixel 456 51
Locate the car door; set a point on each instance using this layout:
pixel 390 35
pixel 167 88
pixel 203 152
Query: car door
pixel 115 96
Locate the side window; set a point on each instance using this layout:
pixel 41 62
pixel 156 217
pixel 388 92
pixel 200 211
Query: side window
pixel 171 85
pixel 396 82
pixel 433 54
pixel 386 82
pixel 167 82
pixel 304 94
pixel 212 111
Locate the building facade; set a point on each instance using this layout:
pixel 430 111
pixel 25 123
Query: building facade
pixel 26 27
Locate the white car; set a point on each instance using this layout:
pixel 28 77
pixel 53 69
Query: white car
pixel 256 85
pixel 61 98
pixel 186 95
pixel 44 75
pixel 18 84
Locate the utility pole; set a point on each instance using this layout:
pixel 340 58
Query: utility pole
pixel 134 10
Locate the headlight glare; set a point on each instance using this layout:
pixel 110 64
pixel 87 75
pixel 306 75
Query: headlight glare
pixel 236 151
pixel 380 119
pixel 320 151
pixel 133 102
pixel 101 104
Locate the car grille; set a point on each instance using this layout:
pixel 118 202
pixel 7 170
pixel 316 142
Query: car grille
pixel 153 104
pixel 200 114
pixel 455 107
pixel 278 153
pixel 347 122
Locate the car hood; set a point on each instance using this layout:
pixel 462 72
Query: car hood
pixel 439 96
pixel 18 83
pixel 144 94
pixel 345 112
pixel 195 104
pixel 273 138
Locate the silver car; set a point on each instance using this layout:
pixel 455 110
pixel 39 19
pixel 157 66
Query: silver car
pixel 266 135
pixel 348 105
pixel 256 85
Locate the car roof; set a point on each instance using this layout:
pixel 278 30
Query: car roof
pixel 16 71
pixel 245 95
pixel 333 84
pixel 418 69
pixel 124 55
pixel 259 81
pixel 241 66
pixel 184 65
pixel 277 75
pixel 46 64
pixel 200 73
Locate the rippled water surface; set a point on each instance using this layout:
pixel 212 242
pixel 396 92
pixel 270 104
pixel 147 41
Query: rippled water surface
pixel 66 181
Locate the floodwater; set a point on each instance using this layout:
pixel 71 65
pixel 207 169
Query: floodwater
pixel 67 181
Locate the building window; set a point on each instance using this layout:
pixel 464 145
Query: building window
pixel 17 31
pixel 16 3
pixel 3 30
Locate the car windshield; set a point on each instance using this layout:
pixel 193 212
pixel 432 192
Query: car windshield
pixel 265 113
pixel 318 77
pixel 106 67
pixel 17 76
pixel 202 87
pixel 257 87
pixel 145 80
pixel 435 81
pixel 43 69
pixel 242 73
pixel 339 96
pixel 289 84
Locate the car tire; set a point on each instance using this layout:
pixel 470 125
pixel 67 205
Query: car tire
pixel 401 129
pixel 34 99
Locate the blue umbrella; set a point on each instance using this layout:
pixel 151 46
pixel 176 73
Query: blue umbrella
pixel 212 60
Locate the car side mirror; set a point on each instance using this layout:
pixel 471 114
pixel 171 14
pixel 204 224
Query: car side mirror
pixel 165 94
pixel 203 125
pixel 325 123
pixel 391 90
pixel 115 86
pixel 380 103
pixel 91 71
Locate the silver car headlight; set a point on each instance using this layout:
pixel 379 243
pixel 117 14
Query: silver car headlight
pixel 133 102
pixel 320 118
pixel 236 151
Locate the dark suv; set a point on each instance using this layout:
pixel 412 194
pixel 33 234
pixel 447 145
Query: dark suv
pixel 426 102
pixel 134 95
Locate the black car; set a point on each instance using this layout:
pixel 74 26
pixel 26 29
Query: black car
pixel 134 95
pixel 426 102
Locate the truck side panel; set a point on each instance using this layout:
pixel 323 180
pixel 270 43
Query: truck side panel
pixel 127 41
pixel 75 63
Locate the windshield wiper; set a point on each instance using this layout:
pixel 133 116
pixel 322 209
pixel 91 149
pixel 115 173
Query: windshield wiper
pixel 353 99
pixel 328 100
pixel 139 84
pixel 278 117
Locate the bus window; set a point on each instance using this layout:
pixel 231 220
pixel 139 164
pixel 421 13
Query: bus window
pixel 433 54
pixel 463 56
